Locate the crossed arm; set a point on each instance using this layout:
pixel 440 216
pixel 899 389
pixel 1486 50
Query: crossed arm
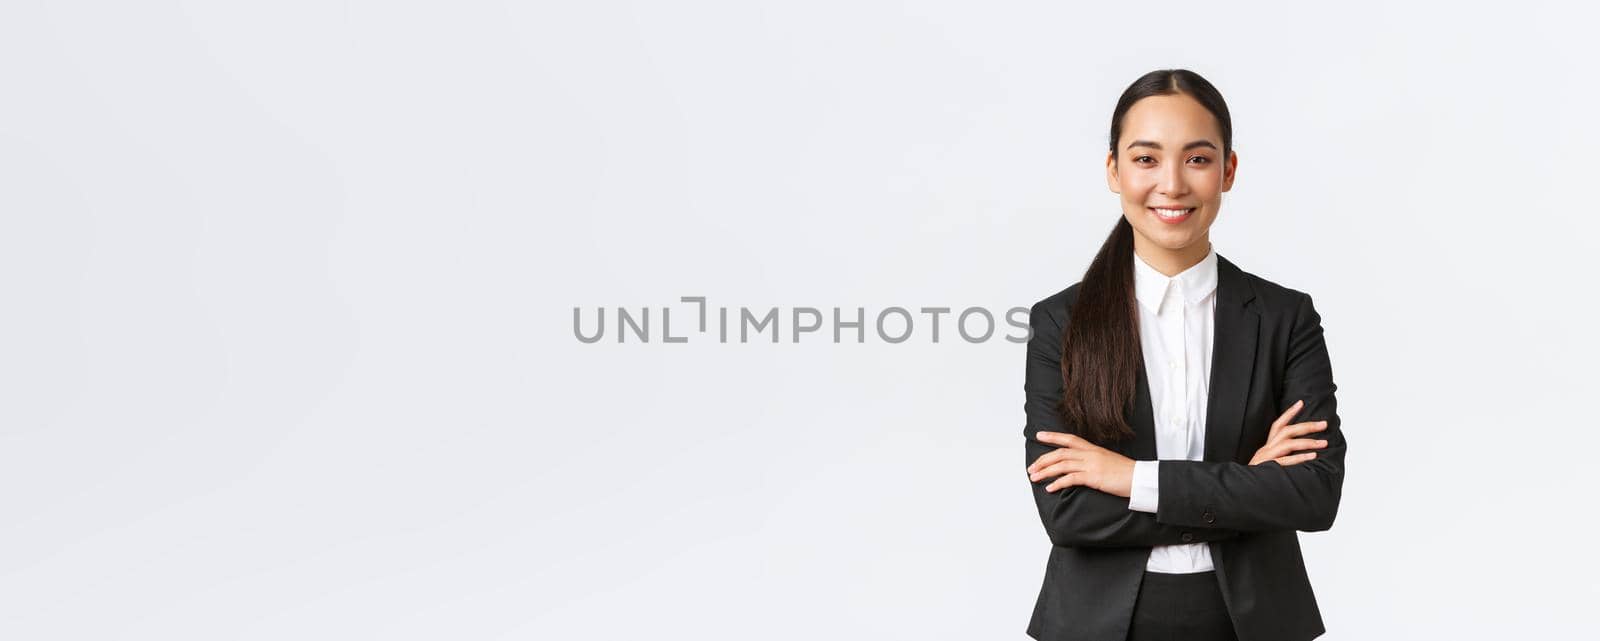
pixel 1199 500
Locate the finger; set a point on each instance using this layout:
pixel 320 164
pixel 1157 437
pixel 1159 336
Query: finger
pixel 1297 444
pixel 1065 481
pixel 1301 429
pixel 1059 469
pixel 1274 450
pixel 1048 437
pixel 1286 446
pixel 1062 439
pixel 1053 456
pixel 1045 459
pixel 1295 459
pixel 1284 418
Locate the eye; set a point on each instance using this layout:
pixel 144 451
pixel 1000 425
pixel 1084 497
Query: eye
pixel 1141 159
pixel 1203 160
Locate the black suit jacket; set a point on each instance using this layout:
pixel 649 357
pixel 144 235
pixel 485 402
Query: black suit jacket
pixel 1268 352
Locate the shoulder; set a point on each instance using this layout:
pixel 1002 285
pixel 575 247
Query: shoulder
pixel 1052 310
pixel 1276 300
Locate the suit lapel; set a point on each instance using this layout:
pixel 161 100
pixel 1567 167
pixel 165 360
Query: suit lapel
pixel 1233 357
pixel 1142 420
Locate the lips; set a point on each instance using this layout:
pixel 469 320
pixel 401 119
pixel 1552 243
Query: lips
pixel 1171 216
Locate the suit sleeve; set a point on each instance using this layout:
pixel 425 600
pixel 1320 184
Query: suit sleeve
pixel 1081 516
pixel 1269 496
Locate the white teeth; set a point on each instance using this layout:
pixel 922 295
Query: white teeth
pixel 1171 213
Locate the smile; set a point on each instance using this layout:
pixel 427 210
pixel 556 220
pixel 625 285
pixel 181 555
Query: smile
pixel 1172 216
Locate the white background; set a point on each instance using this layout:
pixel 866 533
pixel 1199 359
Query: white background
pixel 288 346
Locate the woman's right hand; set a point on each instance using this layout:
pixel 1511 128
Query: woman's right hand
pixel 1282 440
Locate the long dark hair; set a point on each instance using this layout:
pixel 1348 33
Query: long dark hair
pixel 1101 356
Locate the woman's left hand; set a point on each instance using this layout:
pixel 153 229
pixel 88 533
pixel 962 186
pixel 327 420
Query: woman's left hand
pixel 1079 462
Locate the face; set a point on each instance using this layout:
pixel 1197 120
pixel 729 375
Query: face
pixel 1170 174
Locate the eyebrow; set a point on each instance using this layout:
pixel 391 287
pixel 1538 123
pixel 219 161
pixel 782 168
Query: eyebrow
pixel 1156 145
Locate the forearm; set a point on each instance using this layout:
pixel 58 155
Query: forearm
pixel 1303 496
pixel 1087 517
pixel 1079 516
pixel 1239 497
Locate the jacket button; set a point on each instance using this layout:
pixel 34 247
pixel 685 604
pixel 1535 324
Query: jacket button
pixel 1188 536
pixel 1209 517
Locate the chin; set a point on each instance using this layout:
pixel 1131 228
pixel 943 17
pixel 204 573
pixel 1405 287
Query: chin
pixel 1170 239
pixel 1171 236
pixel 1173 244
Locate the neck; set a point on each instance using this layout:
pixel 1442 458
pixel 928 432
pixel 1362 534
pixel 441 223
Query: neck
pixel 1171 262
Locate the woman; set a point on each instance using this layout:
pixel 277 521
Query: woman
pixel 1181 414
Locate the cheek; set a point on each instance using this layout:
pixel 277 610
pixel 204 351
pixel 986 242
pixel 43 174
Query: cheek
pixel 1136 187
pixel 1207 184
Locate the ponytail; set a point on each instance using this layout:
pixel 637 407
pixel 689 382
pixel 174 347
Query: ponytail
pixel 1100 352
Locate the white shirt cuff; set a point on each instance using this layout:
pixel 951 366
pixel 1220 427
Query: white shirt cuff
pixel 1146 487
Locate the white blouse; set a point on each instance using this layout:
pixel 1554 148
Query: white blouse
pixel 1175 321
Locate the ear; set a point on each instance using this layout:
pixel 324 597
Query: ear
pixel 1228 169
pixel 1112 179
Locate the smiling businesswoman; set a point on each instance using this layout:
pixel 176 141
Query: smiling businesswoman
pixel 1160 394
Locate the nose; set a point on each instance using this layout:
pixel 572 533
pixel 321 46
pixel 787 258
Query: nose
pixel 1171 182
